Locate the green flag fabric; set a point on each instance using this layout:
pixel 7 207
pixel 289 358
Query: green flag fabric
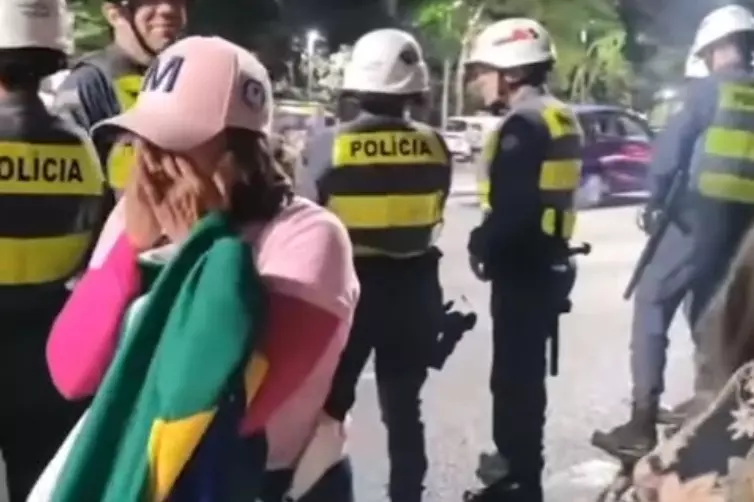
pixel 186 348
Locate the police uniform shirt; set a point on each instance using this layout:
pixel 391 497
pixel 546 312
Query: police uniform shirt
pixel 514 197
pixel 50 197
pixel 677 145
pixel 97 88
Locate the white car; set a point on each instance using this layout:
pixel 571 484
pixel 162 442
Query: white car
pixel 458 145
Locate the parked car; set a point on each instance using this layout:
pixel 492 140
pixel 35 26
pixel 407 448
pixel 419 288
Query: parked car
pixel 617 153
pixel 299 115
pixel 465 135
pixel 459 146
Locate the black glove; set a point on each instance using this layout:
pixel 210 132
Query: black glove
pixel 478 268
pixel 455 324
pixel 476 246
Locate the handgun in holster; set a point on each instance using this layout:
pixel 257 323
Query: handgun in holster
pixel 454 325
pixel 564 274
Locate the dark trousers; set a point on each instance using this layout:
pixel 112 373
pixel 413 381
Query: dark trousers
pixel 334 486
pixel 719 229
pixel 661 290
pixel 398 317
pixel 34 418
pixel 521 323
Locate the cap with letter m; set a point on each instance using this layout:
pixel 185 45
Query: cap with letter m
pixel 194 90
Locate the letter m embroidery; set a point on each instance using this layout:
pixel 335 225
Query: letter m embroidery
pixel 163 74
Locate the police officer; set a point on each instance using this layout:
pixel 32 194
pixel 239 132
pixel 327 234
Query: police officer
pixel 720 118
pixel 387 178
pixel 663 287
pixel 50 196
pixel 712 133
pixel 104 83
pixel 533 166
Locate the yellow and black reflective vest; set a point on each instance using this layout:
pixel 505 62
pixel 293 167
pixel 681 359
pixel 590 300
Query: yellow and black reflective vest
pixel 560 172
pixel 388 183
pixel 126 79
pixel 725 166
pixel 51 196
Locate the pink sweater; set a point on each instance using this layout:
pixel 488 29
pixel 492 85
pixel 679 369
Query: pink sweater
pixel 304 259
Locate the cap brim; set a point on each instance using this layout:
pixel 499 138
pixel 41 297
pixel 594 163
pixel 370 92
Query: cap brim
pixel 166 130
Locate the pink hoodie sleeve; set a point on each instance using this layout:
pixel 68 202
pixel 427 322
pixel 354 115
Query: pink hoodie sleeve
pixel 306 264
pixel 84 336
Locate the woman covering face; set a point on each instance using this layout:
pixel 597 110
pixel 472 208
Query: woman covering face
pixel 200 130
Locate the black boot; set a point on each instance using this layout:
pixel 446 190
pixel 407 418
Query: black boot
pixel 508 490
pixel 492 467
pixel 632 440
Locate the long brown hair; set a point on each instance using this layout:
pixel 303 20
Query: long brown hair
pixel 264 188
pixel 726 330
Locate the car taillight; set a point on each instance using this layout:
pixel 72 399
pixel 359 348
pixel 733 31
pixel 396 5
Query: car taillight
pixel 637 152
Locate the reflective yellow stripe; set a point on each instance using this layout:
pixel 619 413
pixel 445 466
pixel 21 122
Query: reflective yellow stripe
pixel 387 148
pixel 737 97
pixel 119 165
pixel 127 89
pixel 729 143
pixel 384 211
pixel 560 122
pixel 727 187
pixel 488 156
pixel 27 168
pixel 483 189
pixel 41 260
pixel 120 158
pixel 549 217
pixel 560 175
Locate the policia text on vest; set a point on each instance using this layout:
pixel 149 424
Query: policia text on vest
pixel 389 188
pixel 50 194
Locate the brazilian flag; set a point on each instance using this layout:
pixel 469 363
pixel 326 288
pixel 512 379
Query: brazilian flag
pixel 187 350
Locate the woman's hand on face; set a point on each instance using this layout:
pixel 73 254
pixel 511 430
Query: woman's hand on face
pixel 189 195
pixel 142 228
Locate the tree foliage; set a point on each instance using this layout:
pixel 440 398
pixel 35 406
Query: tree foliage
pixel 89 28
pixel 445 20
pixel 604 74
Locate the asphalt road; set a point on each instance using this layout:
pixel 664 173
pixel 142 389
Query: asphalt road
pixel 592 390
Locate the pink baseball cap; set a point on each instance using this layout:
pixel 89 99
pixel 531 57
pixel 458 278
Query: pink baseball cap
pixel 195 89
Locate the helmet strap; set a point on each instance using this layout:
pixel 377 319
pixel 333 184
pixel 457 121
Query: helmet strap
pixel 129 8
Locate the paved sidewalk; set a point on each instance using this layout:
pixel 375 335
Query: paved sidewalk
pixel 464 182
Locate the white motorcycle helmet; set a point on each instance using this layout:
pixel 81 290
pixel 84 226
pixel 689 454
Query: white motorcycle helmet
pixel 386 61
pixel 512 43
pixel 42 24
pixel 721 23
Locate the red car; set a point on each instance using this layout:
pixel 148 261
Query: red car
pixel 617 153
